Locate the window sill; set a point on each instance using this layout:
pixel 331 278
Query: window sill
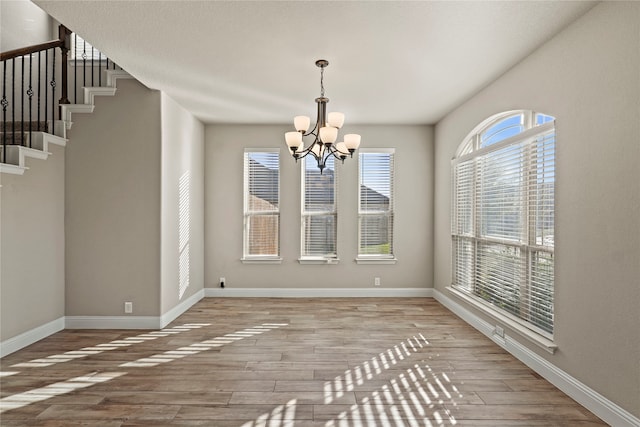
pixel 374 260
pixel 262 260
pixel 318 260
pixel 520 329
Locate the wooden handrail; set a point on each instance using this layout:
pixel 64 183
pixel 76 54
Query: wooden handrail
pixel 10 54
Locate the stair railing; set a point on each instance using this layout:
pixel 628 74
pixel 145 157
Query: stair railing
pixel 30 77
pixel 44 96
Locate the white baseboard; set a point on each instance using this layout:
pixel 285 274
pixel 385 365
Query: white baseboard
pixel 183 306
pixel 318 292
pixel 29 337
pixel 97 322
pixel 133 322
pixel 587 397
pixel 112 322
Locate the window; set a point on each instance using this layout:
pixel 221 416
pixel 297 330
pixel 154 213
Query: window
pixel 503 218
pixel 261 205
pixel 319 211
pixel 81 49
pixel 375 205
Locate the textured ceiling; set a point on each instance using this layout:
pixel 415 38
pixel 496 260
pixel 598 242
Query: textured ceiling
pixel 391 62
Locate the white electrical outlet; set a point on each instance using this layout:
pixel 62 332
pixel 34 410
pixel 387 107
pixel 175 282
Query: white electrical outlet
pixel 128 307
pixel 499 331
pixel 376 281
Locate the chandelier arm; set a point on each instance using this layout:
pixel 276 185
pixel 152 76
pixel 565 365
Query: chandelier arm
pixel 337 153
pixel 312 132
pixel 304 153
pixel 334 150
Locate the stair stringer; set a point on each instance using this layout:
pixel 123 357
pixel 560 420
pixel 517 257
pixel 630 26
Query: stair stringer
pixel 15 163
pixel 112 77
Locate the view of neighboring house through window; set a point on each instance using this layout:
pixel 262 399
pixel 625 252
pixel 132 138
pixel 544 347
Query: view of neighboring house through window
pixel 319 210
pixel 375 207
pixel 503 191
pixel 261 203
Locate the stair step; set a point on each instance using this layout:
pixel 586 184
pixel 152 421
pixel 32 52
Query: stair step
pixel 12 169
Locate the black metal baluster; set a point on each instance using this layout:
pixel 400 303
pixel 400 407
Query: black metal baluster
pixel 22 102
pixel 75 68
pixel 99 69
pixel 107 63
pixel 39 68
pixel 13 98
pixel 30 94
pixel 44 83
pixel 84 63
pixel 92 67
pixel 53 91
pixel 4 103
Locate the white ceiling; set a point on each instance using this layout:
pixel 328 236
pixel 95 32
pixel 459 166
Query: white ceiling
pixel 391 62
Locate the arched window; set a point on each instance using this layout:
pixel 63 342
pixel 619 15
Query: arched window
pixel 503 218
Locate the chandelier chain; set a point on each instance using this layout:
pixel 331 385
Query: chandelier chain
pixel 322 81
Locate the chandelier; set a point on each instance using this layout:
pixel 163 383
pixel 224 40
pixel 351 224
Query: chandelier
pixel 325 132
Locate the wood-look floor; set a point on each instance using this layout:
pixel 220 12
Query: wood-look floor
pixel 283 362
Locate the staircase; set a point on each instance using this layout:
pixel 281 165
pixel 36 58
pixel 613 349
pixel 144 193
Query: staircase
pixel 21 139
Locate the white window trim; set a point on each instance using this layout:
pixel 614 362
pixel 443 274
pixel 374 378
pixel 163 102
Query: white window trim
pixel 319 260
pixel 372 259
pixel 261 260
pixel 257 259
pixel 375 259
pixel 506 319
pixel 529 331
pixel 315 259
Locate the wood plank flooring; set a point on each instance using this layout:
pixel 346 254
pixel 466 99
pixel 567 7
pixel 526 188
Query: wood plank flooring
pixel 283 362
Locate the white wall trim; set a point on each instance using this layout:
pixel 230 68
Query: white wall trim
pixel 581 393
pixel 112 322
pixel 534 337
pixel 318 292
pixel 29 337
pixel 183 306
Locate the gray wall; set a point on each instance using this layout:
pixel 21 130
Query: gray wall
pixel 588 77
pixel 224 148
pixel 182 252
pixel 32 245
pixel 113 196
pixel 22 23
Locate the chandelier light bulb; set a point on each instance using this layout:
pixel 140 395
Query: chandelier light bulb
pixel 352 141
pixel 335 119
pixel 342 148
pixel 328 134
pixel 293 139
pixel 301 123
pixel 316 149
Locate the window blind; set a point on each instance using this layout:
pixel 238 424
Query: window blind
pixel 319 209
pixel 261 203
pixel 503 222
pixel 375 210
pixel 81 49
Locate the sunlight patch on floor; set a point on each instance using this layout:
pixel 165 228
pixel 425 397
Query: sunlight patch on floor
pixel 112 345
pixel 201 346
pixel 39 394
